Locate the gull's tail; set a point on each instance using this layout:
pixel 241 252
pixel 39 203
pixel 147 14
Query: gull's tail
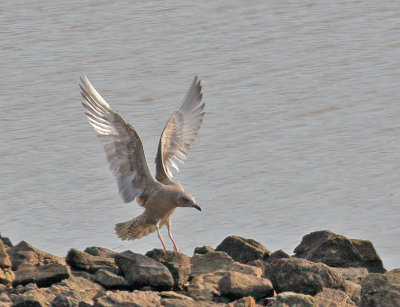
pixel 134 229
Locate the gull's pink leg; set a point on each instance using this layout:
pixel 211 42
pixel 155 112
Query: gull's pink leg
pixel 176 248
pixel 159 236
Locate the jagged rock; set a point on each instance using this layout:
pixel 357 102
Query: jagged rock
pixel 292 299
pixel 243 302
pixel 333 298
pixel 71 299
pixel 86 262
pixel 279 254
pixel 381 289
pixel 353 290
pixel 220 261
pixel 43 276
pixel 6 274
pixel 203 250
pixel 141 271
pixel 338 251
pixel 353 274
pixel 5 300
pixel 302 276
pixel 80 285
pixel 258 263
pixel 6 241
pixel 243 250
pixel 236 285
pixel 125 298
pixel 173 299
pixel 100 251
pixel 23 252
pixel 110 280
pixel 178 264
pixel 205 286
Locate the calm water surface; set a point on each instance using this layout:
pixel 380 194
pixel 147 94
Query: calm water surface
pixel 302 130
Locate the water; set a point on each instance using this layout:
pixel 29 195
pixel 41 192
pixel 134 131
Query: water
pixel 301 131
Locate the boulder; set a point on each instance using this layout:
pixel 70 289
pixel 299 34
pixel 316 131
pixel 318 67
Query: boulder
pixel 71 299
pixel 6 274
pixel 87 262
pixel 302 276
pixel 236 285
pixel 23 252
pixel 286 299
pixel 5 300
pixel 279 254
pixel 206 286
pixel 177 264
pixel 83 286
pixel 338 251
pixel 100 251
pixel 203 250
pixel 43 276
pixel 220 261
pixel 243 250
pixel 6 241
pixel 173 299
pixel 381 289
pixel 258 263
pixel 110 280
pixel 353 274
pixel 353 290
pixel 141 271
pixel 131 299
pixel 333 298
pixel 243 302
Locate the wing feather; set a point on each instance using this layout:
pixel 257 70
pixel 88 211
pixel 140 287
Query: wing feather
pixel 123 147
pixel 179 133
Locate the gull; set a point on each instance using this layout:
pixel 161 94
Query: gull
pixel 159 195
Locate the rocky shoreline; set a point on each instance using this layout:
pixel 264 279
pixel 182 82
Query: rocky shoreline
pixel 327 269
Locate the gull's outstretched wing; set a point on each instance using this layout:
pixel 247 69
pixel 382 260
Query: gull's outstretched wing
pixel 179 133
pixel 123 147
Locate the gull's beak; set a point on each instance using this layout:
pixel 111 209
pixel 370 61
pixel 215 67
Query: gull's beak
pixel 197 207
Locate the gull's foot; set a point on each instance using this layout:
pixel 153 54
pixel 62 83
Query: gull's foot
pixel 177 250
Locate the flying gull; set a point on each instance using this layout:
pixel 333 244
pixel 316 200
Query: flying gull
pixel 124 151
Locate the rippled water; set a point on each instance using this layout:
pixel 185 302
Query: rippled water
pixel 301 131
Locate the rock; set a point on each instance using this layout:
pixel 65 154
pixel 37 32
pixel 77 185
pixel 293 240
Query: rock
pixel 71 299
pixel 279 254
pixel 6 241
pixel 125 298
pixel 177 264
pixel 236 285
pixel 80 285
pixel 243 302
pixel 5 300
pixel 243 250
pixel 338 251
pixel 6 274
pixel 286 299
pixel 141 271
pixel 220 261
pixel 100 251
pixel 302 276
pixel 353 290
pixel 43 276
pixel 205 286
pixel 353 274
pixel 173 299
pixel 333 298
pixel 86 262
pixel 258 263
pixel 110 280
pixel 203 250
pixel 381 289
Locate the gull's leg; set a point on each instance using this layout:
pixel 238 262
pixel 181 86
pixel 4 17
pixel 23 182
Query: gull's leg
pixel 176 248
pixel 159 235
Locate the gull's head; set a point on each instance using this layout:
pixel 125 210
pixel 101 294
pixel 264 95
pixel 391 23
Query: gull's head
pixel 186 200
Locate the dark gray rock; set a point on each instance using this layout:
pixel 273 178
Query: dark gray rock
pixel 6 241
pixel 236 285
pixel 333 298
pixel 203 250
pixel 100 251
pixel 43 276
pixel 128 299
pixel 141 271
pixel 338 251
pixel 279 254
pixel 243 250
pixel 220 261
pixel 381 289
pixel 86 262
pixel 177 264
pixel 302 276
pixel 23 252
pixel 292 299
pixel 110 280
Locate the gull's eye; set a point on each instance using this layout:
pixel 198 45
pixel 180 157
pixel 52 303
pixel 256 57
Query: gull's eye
pixel 185 200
